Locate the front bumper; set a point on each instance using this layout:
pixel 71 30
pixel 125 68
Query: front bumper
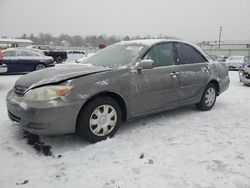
pixel 3 68
pixel 235 67
pixel 244 79
pixel 43 118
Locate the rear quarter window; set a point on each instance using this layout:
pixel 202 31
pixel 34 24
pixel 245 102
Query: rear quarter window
pixel 9 54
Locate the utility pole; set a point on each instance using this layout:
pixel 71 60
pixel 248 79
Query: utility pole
pixel 220 36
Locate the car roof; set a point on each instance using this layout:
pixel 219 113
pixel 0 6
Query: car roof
pixel 16 49
pixel 150 42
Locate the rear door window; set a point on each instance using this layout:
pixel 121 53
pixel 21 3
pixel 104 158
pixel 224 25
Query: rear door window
pixel 186 54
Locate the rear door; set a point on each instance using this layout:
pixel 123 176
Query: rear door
pixel 157 88
pixel 194 71
pixel 27 60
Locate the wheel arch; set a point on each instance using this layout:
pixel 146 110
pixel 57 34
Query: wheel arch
pixel 217 85
pixel 40 63
pixel 113 95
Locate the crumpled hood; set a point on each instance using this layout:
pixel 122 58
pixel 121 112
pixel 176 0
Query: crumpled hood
pixel 246 69
pixel 57 74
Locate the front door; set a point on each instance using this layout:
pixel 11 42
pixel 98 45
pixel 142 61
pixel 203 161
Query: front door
pixel 155 89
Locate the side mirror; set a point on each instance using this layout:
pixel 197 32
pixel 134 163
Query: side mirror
pixel 145 64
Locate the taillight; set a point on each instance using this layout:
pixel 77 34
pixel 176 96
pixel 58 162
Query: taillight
pixel 1 55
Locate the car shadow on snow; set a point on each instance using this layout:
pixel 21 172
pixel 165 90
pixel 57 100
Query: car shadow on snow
pixel 55 145
pixel 49 145
pixel 149 119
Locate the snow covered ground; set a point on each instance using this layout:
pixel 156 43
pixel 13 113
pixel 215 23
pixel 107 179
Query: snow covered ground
pixel 178 148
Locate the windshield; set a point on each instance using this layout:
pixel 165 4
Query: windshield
pixel 116 55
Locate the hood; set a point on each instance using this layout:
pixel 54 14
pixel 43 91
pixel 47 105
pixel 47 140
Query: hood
pixel 57 74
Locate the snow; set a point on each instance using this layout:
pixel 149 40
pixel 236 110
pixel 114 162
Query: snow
pixel 178 148
pixel 15 40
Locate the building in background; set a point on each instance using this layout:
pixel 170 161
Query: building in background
pixel 227 48
pixel 8 42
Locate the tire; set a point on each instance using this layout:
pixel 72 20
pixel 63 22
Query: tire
pixel 59 59
pixel 40 66
pixel 99 119
pixel 208 98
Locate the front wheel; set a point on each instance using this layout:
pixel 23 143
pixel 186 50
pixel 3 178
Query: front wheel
pixel 208 98
pixel 99 119
pixel 40 66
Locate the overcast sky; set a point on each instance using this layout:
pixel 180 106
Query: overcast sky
pixel 187 19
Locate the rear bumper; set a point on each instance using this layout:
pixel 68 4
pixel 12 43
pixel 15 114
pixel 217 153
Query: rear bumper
pixel 3 68
pixel 43 118
pixel 224 84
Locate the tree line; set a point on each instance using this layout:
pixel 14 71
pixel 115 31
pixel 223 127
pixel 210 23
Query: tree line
pixel 79 41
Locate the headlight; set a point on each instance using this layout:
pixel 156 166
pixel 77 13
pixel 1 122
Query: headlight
pixel 47 92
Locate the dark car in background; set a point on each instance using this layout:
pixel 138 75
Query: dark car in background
pixel 3 67
pixel 25 60
pixel 58 55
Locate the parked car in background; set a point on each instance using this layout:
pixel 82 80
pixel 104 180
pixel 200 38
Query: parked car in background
pixel 213 56
pixel 74 55
pixel 25 60
pixel 121 82
pixel 236 62
pixel 81 60
pixel 219 58
pixel 222 58
pixel 58 55
pixel 245 75
pixel 3 67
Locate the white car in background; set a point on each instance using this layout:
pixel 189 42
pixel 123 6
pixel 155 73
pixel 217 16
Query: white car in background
pixel 74 55
pixel 245 75
pixel 236 62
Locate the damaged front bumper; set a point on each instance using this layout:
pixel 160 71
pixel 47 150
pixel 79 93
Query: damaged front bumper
pixel 245 77
pixel 43 118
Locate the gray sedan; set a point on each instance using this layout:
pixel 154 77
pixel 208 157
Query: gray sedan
pixel 121 82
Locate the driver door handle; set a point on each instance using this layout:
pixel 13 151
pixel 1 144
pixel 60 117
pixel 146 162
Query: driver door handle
pixel 174 74
pixel 206 69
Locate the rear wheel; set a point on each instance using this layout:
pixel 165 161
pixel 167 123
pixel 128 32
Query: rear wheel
pixel 208 98
pixel 40 66
pixel 59 59
pixel 99 119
